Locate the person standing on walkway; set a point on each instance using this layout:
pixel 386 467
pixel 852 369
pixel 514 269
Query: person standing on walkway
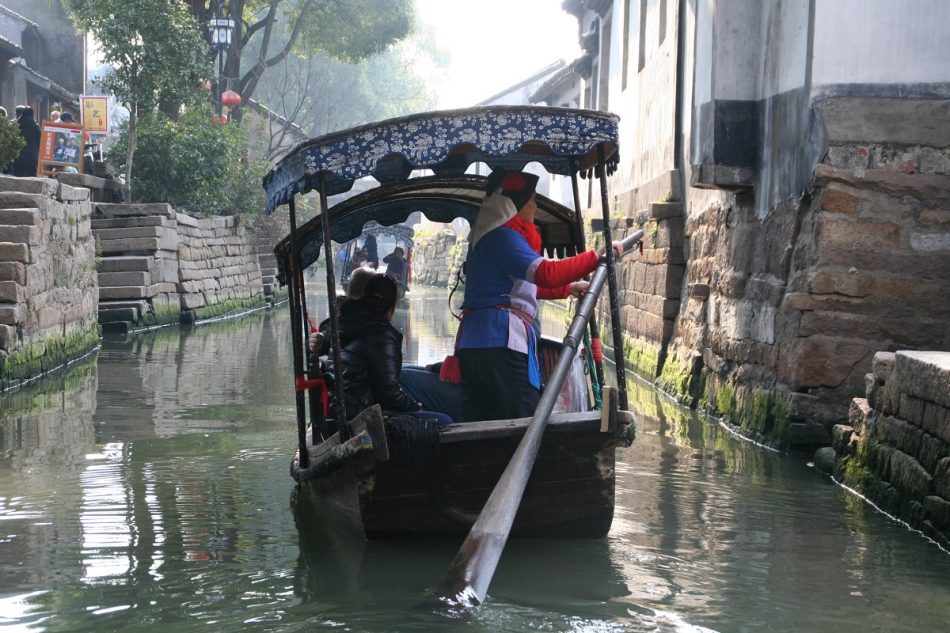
pixel 25 164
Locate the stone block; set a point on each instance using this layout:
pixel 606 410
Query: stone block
pixel 936 420
pixel 118 210
pixel 825 361
pixel 120 263
pixel 668 234
pixel 21 234
pixel 908 476
pixel 882 366
pixel 942 478
pixel 129 232
pixel 911 409
pixel 858 234
pixel 663 210
pixel 132 222
pixel 130 246
pixel 925 375
pixel 9 313
pixel 67 193
pixel 21 217
pixel 132 278
pixel 13 271
pixel 8 338
pixel 931 451
pixel 122 292
pixel 898 433
pixel 14 252
pixel 41 186
pixel 111 315
pixel 836 200
pixel 859 415
pixel 841 437
pixel 930 242
pixel 12 292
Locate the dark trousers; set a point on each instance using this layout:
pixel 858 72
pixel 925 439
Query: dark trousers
pixel 495 385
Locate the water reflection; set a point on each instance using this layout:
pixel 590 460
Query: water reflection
pixel 149 489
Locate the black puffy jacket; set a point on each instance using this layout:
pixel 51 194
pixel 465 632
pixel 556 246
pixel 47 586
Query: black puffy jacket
pixel 371 355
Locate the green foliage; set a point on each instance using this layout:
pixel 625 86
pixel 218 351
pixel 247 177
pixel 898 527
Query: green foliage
pixel 667 197
pixel 355 29
pixel 155 48
pixel 195 166
pixel 11 141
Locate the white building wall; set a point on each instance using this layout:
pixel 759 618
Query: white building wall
pixel 881 41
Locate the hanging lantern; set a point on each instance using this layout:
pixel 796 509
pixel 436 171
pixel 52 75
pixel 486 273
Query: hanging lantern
pixel 230 98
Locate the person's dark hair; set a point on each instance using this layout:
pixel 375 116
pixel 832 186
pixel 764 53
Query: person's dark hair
pixel 519 186
pixel 380 294
pixel 67 117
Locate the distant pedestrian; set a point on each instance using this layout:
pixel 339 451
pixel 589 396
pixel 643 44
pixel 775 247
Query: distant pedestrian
pixel 54 116
pixel 25 164
pixel 66 117
pixel 3 112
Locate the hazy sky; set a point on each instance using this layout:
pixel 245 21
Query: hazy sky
pixel 494 44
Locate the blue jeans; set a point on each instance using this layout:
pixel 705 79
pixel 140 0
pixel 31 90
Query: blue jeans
pixel 435 395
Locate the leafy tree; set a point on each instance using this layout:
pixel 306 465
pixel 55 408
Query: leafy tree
pixel 11 141
pixel 320 94
pixel 197 167
pixel 156 51
pixel 268 31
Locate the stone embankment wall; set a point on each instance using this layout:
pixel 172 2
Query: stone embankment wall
pixel 160 266
pixel 779 314
pixel 895 448
pixel 48 299
pixel 434 259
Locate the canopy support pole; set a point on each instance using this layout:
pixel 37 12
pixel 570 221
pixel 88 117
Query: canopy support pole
pixel 296 335
pixel 342 423
pixel 612 284
pixel 593 327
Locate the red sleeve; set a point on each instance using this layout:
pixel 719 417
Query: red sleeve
pixel 561 292
pixel 552 274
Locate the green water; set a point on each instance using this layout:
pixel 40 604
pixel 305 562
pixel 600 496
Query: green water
pixel 148 490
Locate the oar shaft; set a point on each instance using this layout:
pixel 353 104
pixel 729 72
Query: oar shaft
pixel 470 573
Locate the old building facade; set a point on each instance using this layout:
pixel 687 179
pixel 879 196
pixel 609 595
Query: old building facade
pixel 42 57
pixel 790 161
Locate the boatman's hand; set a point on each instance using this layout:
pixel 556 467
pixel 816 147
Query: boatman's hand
pixel 314 341
pixel 617 246
pixel 578 288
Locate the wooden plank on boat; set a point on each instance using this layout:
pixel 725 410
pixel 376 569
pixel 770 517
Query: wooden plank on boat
pixel 608 410
pixel 559 422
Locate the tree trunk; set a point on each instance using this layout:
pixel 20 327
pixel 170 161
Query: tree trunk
pixel 130 151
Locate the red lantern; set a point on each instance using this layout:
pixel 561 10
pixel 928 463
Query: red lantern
pixel 230 98
pixel 214 120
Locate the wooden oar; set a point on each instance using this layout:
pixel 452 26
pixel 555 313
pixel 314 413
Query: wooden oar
pixel 470 573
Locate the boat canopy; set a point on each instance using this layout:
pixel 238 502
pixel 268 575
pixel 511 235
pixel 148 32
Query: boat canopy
pixel 564 141
pixel 440 199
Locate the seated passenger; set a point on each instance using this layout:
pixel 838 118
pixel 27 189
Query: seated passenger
pixel 371 354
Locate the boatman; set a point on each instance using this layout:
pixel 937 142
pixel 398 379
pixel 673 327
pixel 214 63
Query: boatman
pixel 505 277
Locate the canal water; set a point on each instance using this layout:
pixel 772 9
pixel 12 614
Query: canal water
pixel 148 489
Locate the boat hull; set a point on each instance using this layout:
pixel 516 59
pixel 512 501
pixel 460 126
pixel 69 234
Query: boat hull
pixel 570 492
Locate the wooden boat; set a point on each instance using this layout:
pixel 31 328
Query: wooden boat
pixel 395 235
pixel 384 486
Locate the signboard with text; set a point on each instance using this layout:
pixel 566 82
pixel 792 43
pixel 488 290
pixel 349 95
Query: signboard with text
pixel 95 114
pixel 61 148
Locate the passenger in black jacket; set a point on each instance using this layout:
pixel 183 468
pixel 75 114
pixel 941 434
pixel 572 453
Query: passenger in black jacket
pixel 371 354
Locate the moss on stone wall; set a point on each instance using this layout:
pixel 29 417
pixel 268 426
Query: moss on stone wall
pixel 641 356
pixel 227 307
pixel 678 380
pixel 762 414
pixel 42 356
